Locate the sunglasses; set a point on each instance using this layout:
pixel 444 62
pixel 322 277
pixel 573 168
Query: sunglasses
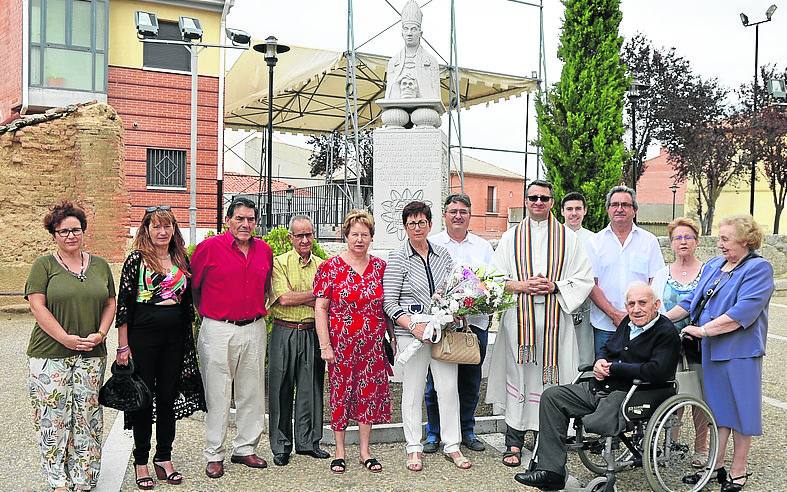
pixel 535 198
pixel 158 207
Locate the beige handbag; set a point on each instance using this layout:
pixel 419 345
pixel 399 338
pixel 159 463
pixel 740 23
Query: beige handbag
pixel 689 382
pixel 459 346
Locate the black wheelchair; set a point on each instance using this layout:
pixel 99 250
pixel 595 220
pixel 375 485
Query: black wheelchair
pixel 658 438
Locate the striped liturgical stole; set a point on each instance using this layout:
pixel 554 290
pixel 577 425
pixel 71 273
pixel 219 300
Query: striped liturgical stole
pixel 526 315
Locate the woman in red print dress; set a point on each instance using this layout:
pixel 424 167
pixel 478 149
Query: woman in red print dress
pixel 351 326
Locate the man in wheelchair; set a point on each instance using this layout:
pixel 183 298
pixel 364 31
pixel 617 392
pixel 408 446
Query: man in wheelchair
pixel 646 347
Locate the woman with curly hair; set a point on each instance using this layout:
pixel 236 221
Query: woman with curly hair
pixel 154 317
pixel 72 297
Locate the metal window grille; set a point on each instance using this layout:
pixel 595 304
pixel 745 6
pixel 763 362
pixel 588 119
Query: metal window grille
pixel 166 168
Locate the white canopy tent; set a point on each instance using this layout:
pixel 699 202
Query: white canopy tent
pixel 310 90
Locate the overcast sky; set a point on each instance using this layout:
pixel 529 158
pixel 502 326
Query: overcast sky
pixel 502 36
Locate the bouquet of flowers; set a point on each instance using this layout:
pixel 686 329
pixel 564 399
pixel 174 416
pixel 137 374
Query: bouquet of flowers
pixel 465 292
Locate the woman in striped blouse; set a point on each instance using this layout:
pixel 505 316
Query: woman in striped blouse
pixel 413 274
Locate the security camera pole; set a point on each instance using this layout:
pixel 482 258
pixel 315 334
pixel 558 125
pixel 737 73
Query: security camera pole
pixel 191 31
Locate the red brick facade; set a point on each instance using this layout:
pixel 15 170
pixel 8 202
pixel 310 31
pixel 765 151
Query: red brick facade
pixel 156 111
pixel 654 184
pixel 510 194
pixel 10 56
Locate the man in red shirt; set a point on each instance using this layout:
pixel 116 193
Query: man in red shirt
pixel 230 279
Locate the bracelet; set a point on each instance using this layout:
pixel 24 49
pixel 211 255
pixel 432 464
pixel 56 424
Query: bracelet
pixel 122 349
pixel 704 331
pixel 102 335
pixel 326 347
pixel 411 326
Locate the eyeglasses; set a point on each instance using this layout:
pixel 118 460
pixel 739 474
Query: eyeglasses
pixel 165 208
pixel 687 237
pixel 458 212
pixel 76 231
pixel 620 205
pixel 535 198
pixel 420 224
pixel 305 235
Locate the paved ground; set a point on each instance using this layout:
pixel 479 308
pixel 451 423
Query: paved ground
pixel 19 469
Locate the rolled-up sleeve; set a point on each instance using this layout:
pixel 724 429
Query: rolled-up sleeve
pixel 393 280
pixel 755 291
pixel 279 283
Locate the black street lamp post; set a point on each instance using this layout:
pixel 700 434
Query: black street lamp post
pixel 746 23
pixel 270 48
pixel 635 93
pixel 674 189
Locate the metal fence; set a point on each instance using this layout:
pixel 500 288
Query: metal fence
pixel 325 204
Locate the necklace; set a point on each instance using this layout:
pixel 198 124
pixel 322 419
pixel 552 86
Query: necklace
pixel 163 257
pixel 81 275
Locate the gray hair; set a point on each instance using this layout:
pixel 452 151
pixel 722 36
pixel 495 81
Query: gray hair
pixel 640 285
pixel 622 189
pixel 296 218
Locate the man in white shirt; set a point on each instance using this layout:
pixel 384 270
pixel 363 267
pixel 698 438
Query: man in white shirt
pixel 476 252
pixel 622 254
pixel 573 207
pixel 536 345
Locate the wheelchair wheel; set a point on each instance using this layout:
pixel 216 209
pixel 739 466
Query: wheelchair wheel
pixel 599 484
pixel 669 441
pixel 591 452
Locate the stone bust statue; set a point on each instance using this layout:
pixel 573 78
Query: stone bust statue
pixel 413 60
pixel 412 92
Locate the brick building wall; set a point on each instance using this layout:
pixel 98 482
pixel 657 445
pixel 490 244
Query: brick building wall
pixel 79 157
pixel 156 111
pixel 10 56
pixel 509 194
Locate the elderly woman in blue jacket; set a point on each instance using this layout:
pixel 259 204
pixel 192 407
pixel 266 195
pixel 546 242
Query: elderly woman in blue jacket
pixel 729 312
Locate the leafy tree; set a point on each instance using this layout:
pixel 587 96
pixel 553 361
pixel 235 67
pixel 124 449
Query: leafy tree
pixel 580 118
pixel 704 142
pixel 670 78
pixel 766 137
pixel 337 148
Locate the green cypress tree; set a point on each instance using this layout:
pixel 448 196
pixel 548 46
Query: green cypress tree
pixel 581 117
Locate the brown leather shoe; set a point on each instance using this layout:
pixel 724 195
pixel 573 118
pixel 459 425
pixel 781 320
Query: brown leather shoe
pixel 215 469
pixel 252 461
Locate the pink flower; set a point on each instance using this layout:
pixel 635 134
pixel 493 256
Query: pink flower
pixel 468 302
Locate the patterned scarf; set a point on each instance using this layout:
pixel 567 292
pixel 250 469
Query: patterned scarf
pixel 523 250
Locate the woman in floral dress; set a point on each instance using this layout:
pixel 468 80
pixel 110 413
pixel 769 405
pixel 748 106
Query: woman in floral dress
pixel 351 327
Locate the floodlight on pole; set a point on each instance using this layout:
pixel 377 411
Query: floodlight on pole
pixel 777 88
pixel 190 29
pixel 147 24
pixel 270 48
pixel 747 23
pixel 238 37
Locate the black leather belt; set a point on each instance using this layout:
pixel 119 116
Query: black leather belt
pixel 308 325
pixel 242 322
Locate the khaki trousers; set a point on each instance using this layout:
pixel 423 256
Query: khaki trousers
pixel 230 356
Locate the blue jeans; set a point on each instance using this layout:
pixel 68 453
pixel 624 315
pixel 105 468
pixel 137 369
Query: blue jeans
pixel 600 338
pixel 468 384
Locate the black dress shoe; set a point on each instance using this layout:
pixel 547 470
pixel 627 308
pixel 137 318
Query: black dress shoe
pixel 541 479
pixel 318 453
pixel 431 447
pixel 281 459
pixel 473 443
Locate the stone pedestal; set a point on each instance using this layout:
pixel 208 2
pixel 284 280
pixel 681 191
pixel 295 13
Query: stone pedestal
pixel 408 165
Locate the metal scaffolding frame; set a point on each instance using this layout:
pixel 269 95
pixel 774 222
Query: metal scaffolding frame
pixel 351 128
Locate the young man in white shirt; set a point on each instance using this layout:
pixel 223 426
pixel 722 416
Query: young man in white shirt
pixel 476 252
pixel 622 254
pixel 573 207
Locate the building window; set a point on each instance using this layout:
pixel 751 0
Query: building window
pixel 166 168
pixel 491 200
pixel 167 56
pixel 68 44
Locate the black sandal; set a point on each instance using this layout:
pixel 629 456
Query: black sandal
pixel 338 466
pixel 719 474
pixel 510 452
pixel 372 465
pixel 174 478
pixel 731 486
pixel 144 483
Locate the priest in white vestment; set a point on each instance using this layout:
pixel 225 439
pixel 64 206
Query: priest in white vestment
pixel 536 344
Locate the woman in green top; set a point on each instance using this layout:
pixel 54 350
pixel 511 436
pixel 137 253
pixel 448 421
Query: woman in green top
pixel 72 296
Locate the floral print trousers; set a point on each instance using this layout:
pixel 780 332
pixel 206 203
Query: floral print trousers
pixel 68 418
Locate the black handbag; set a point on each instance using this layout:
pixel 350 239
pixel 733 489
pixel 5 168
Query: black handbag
pixel 125 390
pixel 389 354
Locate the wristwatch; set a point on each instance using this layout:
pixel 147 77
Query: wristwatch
pixel 557 288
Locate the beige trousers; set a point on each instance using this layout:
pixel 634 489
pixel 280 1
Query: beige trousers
pixel 230 356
